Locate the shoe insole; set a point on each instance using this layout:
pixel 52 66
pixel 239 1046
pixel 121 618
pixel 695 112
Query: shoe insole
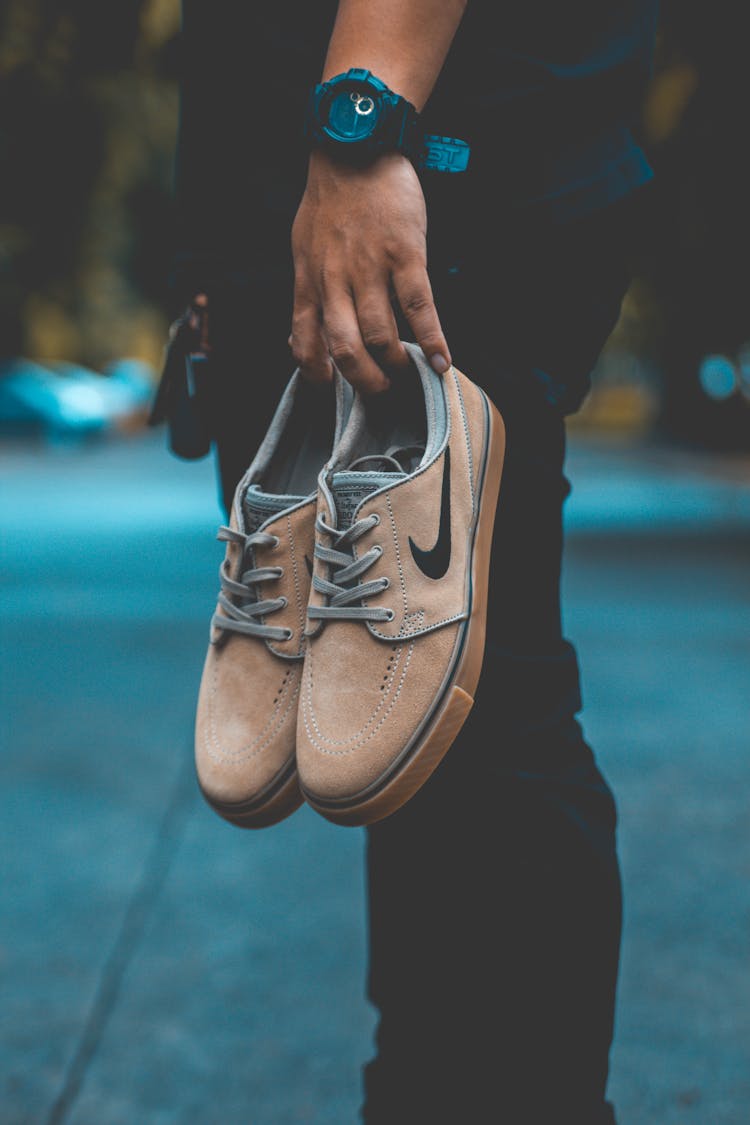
pixel 305 443
pixel 394 419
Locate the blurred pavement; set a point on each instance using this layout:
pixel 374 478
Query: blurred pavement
pixel 159 966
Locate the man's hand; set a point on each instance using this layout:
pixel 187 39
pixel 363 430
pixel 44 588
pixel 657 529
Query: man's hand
pixel 358 240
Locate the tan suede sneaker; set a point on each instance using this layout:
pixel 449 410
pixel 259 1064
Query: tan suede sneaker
pixel 396 621
pixel 247 706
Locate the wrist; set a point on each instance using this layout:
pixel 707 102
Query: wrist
pixel 325 165
pixel 328 177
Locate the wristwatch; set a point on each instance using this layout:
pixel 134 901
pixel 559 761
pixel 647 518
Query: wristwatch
pixel 356 117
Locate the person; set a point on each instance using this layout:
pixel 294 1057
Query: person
pixel 493 931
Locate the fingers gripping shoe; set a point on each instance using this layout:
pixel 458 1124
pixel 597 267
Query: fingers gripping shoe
pixel 247 705
pixel 397 612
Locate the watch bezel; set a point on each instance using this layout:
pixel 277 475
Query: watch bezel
pixel 349 86
pixel 393 127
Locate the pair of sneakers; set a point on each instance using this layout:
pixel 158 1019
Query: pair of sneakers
pixel 348 638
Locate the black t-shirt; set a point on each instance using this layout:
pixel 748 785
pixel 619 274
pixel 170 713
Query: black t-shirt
pixel 546 93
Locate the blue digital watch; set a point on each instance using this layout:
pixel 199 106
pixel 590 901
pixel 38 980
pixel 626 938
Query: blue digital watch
pixel 357 118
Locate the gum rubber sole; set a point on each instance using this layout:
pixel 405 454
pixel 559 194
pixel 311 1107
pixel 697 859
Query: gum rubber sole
pixel 285 800
pixel 458 698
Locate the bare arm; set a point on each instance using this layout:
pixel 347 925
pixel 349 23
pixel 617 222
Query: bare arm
pixel 361 233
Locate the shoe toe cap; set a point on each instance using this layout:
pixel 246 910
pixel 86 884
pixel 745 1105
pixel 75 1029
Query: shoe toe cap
pixel 245 724
pixel 356 725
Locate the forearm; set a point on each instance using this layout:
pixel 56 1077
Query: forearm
pixel 360 235
pixel 403 42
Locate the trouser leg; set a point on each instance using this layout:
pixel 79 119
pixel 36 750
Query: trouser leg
pixel 494 894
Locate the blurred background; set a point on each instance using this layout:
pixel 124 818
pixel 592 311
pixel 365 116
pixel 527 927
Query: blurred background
pixel 86 218
pixel 159 966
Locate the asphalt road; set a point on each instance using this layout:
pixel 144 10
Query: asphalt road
pixel 158 966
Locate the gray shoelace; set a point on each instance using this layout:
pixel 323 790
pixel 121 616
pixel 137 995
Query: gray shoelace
pixel 340 594
pixel 245 616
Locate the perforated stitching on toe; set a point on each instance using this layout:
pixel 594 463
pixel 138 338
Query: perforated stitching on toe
pixel 316 736
pixel 263 739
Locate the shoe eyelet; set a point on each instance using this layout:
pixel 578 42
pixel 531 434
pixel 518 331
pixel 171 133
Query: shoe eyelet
pixel 275 543
pixel 283 602
pixel 378 549
pixel 386 582
pixel 391 615
pixel 375 518
pixel 289 634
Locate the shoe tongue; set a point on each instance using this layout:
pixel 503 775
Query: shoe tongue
pixel 259 506
pixel 350 488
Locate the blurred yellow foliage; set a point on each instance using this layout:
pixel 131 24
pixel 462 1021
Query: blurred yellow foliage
pixel 668 97
pixel 160 22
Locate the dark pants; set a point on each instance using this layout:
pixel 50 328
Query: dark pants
pixel 494 895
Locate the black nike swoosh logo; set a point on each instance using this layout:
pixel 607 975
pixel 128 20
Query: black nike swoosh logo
pixel 435 562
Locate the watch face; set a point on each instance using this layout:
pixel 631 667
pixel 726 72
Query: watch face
pixel 352 115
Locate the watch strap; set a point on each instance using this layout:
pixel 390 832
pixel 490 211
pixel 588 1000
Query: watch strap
pixel 404 126
pixel 444 154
